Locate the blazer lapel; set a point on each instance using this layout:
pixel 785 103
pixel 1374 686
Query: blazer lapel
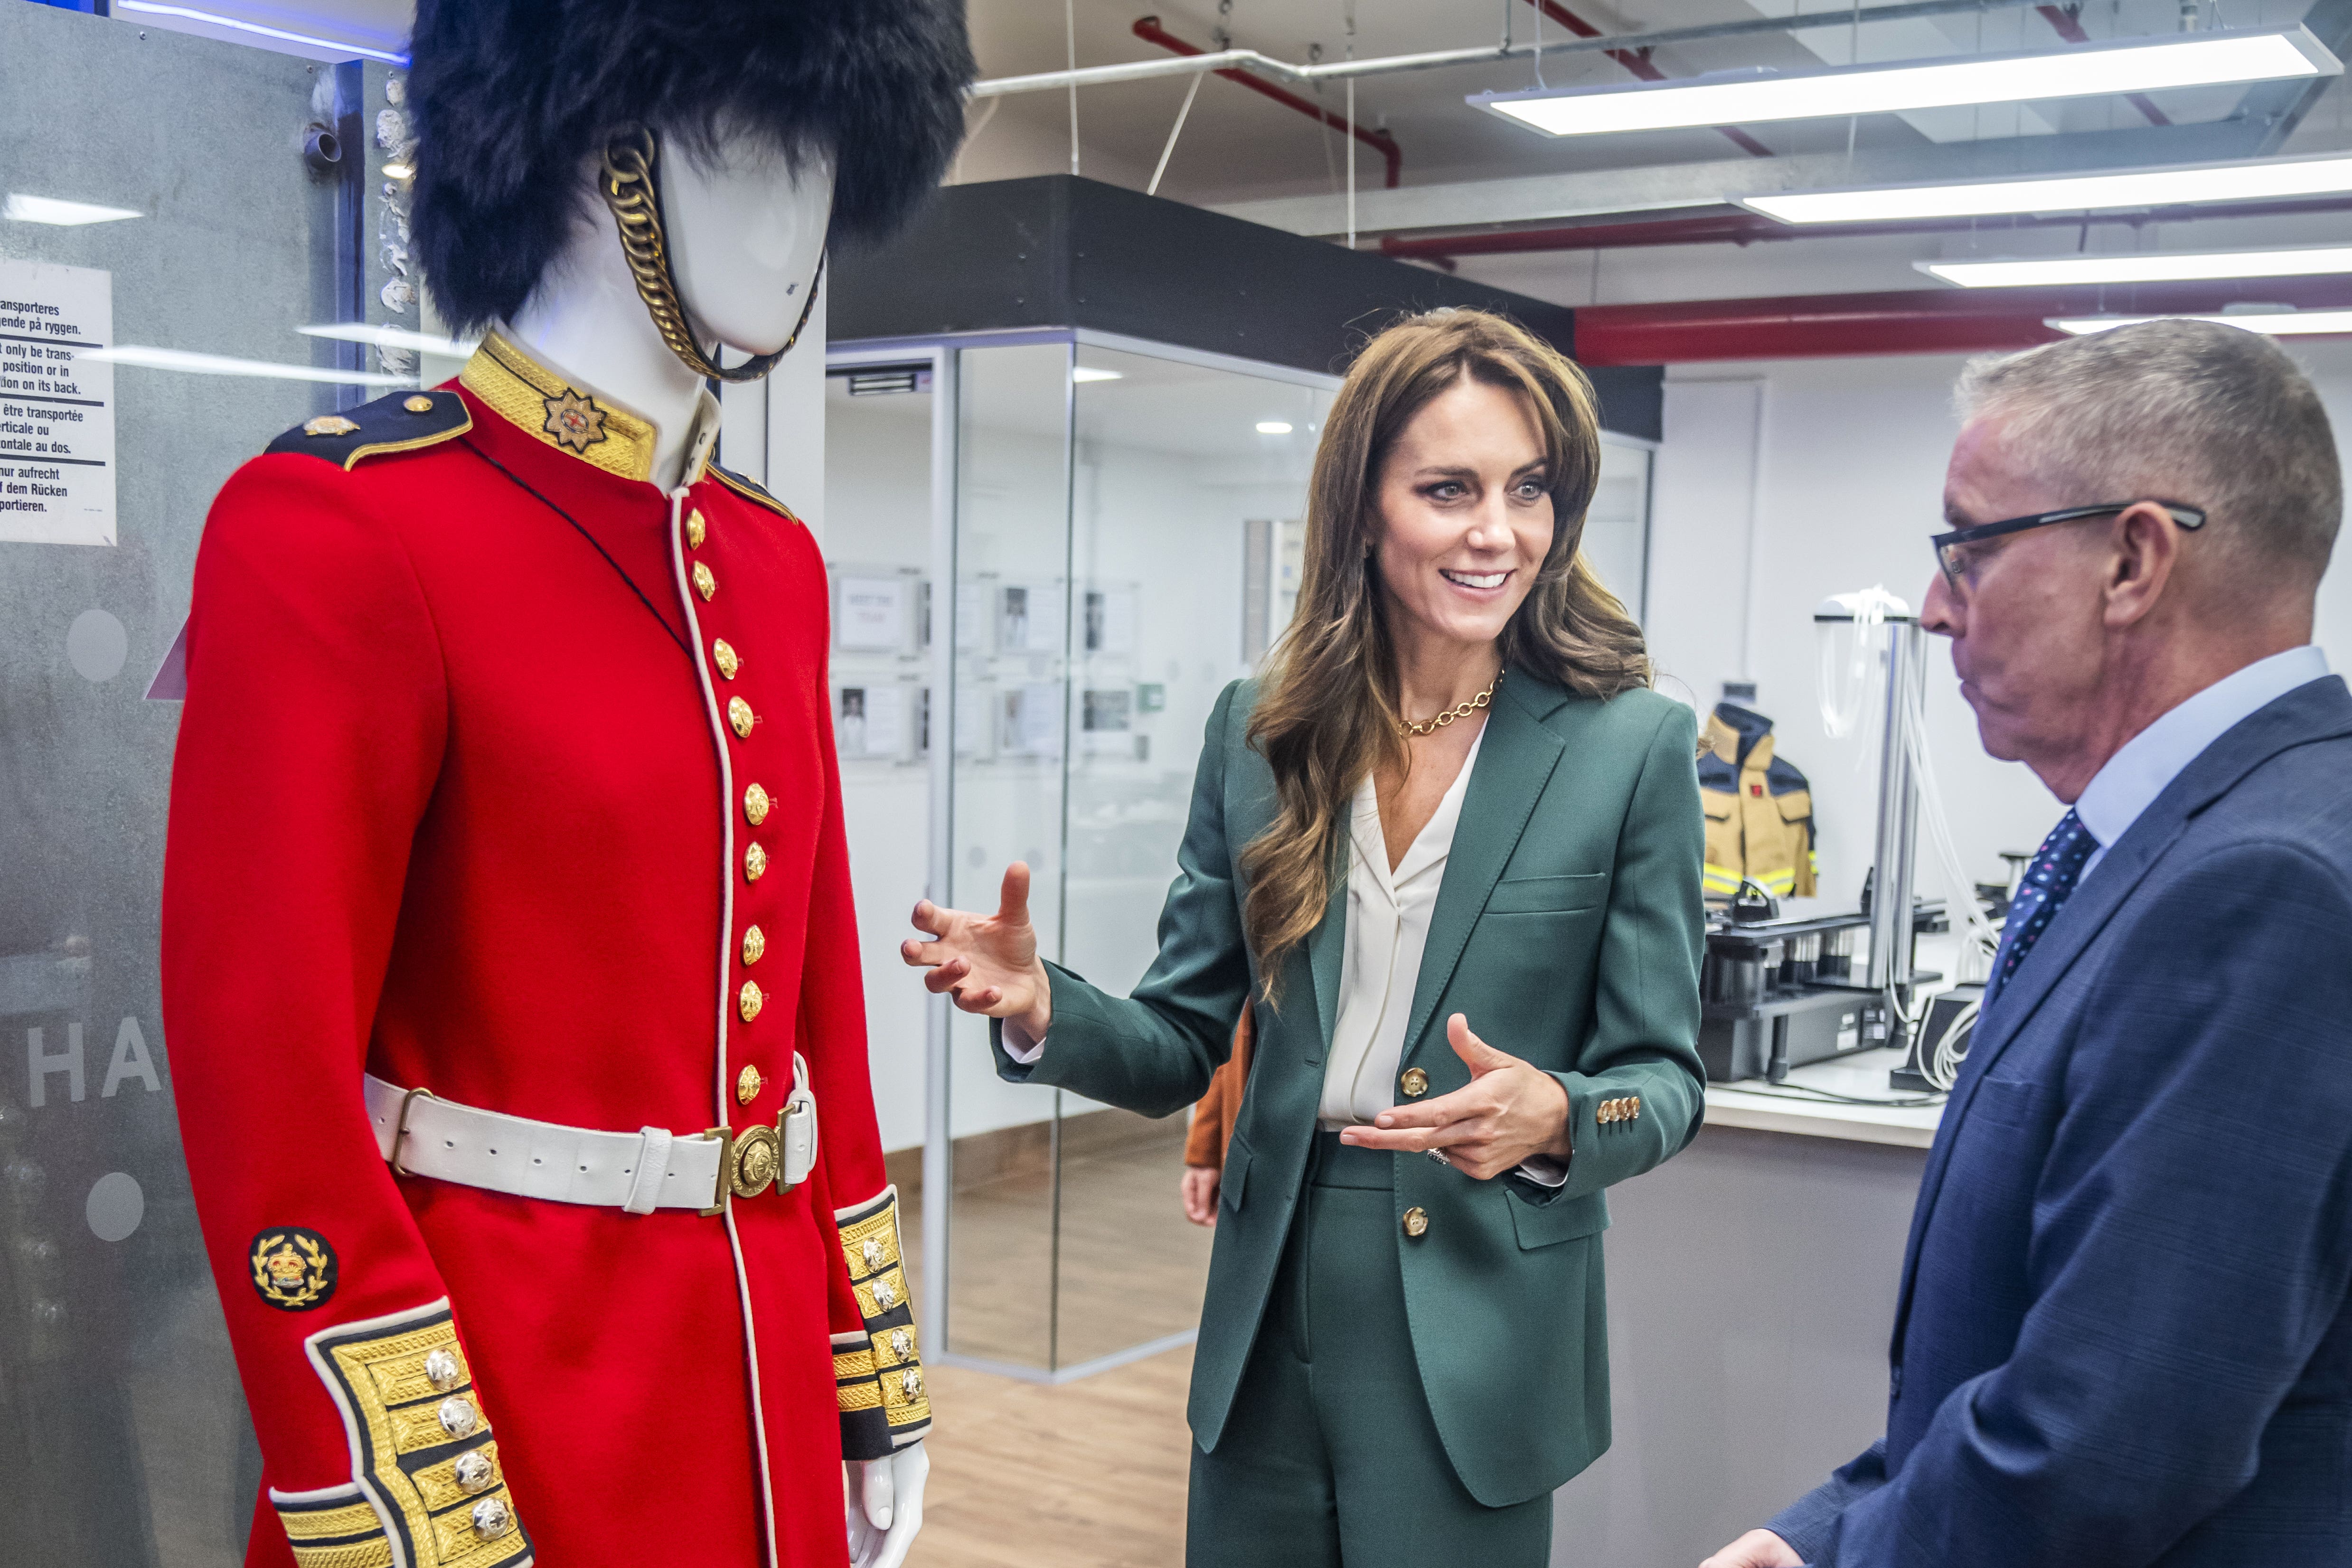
pixel 1516 760
pixel 1326 954
pixel 2314 712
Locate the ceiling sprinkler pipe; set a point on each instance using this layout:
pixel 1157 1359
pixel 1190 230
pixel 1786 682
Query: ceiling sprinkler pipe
pixel 1149 29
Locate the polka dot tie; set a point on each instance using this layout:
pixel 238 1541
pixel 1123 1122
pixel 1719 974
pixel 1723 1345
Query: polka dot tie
pixel 2049 882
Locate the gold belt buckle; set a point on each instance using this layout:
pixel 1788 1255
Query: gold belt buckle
pixel 750 1162
pixel 722 1187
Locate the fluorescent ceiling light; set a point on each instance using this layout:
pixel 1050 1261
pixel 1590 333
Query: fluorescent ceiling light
pixel 393 337
pixel 1088 373
pixel 238 24
pixel 2180 267
pixel 2281 179
pixel 1272 427
pixel 27 209
pixel 2274 323
pixel 221 365
pixel 2172 61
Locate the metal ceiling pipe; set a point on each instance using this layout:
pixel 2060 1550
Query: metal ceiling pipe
pixel 1905 321
pixel 1149 29
pixel 1389 65
pixel 1735 226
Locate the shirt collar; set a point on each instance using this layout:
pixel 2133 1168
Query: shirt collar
pixel 1436 842
pixel 538 399
pixel 2135 775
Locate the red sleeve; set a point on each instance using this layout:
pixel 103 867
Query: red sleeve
pixel 309 743
pixel 877 1362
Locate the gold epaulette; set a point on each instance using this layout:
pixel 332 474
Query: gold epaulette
pixel 892 1357
pixel 753 491
pixel 428 1472
pixel 404 422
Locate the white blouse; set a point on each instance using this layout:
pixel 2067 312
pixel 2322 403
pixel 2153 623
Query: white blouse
pixel 1388 927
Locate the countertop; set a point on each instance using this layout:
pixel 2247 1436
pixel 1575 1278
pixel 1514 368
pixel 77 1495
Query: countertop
pixel 1768 1108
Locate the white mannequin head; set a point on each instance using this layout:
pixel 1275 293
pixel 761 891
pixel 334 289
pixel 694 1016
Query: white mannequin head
pixel 745 229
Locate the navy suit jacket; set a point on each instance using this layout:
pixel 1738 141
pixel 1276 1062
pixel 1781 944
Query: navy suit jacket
pixel 2122 1336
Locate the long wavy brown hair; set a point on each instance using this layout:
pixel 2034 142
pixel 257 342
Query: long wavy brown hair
pixel 1327 713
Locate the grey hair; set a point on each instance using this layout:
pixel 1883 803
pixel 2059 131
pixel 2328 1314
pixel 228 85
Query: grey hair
pixel 2209 416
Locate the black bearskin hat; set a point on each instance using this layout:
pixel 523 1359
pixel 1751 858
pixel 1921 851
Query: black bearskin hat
pixel 510 95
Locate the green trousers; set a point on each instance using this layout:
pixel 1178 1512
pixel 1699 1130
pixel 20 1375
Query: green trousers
pixel 1329 1459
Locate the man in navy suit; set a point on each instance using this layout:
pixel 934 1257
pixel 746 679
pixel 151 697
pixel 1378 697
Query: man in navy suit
pixel 2122 1336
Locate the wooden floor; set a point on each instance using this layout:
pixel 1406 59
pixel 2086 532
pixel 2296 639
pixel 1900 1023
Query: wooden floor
pixel 1089 1474
pixel 1083 1474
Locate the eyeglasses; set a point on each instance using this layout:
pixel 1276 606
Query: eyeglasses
pixel 1947 546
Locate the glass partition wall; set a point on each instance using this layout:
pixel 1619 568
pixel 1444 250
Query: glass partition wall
pixel 1120 526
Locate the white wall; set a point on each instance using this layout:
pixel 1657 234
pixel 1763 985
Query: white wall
pixel 1840 464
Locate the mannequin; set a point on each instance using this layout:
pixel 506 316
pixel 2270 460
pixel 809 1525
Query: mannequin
pixel 509 944
pixel 746 228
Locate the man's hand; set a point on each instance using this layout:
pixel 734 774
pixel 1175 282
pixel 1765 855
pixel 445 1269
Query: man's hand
pixel 1506 1112
pixel 988 963
pixel 1757 1549
pixel 886 1506
pixel 1200 1183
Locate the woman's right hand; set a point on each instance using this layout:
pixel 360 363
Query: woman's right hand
pixel 987 963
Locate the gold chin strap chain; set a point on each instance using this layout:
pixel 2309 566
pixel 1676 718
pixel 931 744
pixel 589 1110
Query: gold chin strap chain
pixel 629 189
pixel 1459 710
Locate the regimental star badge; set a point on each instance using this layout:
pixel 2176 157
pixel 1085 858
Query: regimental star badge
pixel 575 420
pixel 328 424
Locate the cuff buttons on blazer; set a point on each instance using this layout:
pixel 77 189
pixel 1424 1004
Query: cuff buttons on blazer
pixel 1416 1221
pixel 1415 1083
pixel 1626 1109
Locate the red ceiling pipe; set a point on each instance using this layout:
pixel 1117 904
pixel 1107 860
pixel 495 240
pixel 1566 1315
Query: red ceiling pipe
pixel 1149 29
pixel 1738 227
pixel 2063 21
pixel 1907 321
pixel 1639 63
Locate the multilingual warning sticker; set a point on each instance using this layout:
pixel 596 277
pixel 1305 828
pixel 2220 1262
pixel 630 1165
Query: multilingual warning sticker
pixel 57 408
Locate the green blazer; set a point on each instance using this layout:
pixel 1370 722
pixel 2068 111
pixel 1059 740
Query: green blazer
pixel 1568 928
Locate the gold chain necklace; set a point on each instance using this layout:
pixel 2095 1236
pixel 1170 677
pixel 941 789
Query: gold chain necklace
pixel 1459 710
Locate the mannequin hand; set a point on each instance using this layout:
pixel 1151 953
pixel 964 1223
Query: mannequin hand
pixel 1757 1549
pixel 886 1507
pixel 1507 1111
pixel 1201 1184
pixel 988 963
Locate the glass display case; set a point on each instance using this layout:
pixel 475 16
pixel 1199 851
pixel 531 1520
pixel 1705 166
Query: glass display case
pixel 1118 526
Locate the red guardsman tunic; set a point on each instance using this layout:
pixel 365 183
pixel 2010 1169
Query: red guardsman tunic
pixel 500 776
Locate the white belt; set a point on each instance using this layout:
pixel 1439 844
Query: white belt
pixel 422 1134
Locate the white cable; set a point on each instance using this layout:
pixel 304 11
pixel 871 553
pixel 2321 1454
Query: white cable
pixel 1174 133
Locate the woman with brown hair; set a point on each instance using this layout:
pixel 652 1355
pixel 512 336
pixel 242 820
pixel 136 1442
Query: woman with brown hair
pixel 1453 796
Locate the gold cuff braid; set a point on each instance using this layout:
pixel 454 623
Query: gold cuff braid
pixel 429 1477
pixel 870 1249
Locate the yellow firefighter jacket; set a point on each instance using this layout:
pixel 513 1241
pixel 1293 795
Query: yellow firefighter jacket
pixel 1759 811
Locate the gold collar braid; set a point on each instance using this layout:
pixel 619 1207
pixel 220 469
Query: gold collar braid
pixel 630 190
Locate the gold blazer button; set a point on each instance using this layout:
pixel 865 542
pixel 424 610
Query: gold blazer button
pixel 1415 1083
pixel 1416 1221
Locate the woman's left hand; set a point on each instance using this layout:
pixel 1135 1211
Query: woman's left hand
pixel 1508 1111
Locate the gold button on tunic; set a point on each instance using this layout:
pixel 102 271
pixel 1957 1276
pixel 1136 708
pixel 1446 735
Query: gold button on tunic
pixel 755 861
pixel 724 657
pixel 755 805
pixel 747 1001
pixel 739 717
pixel 748 1083
pixel 695 532
pixel 755 943
pixel 704 583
